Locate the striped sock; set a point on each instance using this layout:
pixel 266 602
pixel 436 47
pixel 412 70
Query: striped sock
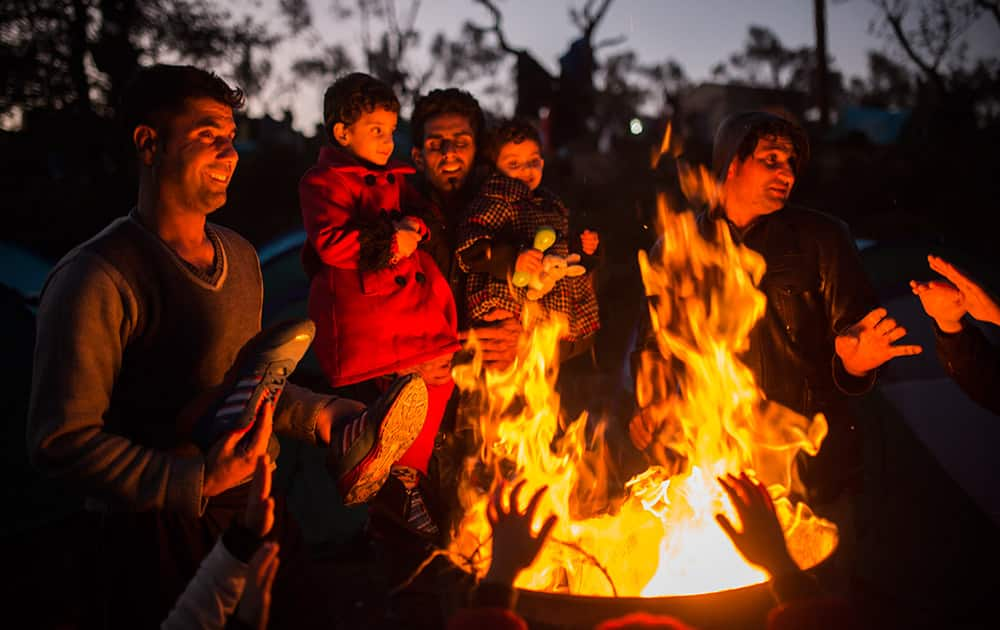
pixel 417 516
pixel 352 431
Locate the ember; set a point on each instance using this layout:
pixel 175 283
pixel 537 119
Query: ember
pixel 662 539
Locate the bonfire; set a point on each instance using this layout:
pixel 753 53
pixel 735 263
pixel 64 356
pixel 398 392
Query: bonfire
pixel 658 535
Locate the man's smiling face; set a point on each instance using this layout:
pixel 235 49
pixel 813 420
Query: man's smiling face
pixel 448 152
pixel 195 157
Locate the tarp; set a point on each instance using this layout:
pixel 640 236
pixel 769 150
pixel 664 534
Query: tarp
pixel 880 126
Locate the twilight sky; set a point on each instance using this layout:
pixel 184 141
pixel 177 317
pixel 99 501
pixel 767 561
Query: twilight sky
pixel 696 33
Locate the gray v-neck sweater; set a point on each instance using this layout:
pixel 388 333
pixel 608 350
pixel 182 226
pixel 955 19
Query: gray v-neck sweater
pixel 128 335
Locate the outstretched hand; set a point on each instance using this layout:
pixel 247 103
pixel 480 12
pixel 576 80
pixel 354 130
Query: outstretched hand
pixel 515 546
pixel 947 302
pixel 942 302
pixel 762 542
pixel 869 343
pixel 436 371
pixel 497 339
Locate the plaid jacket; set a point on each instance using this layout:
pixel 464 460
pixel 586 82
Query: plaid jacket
pixel 506 207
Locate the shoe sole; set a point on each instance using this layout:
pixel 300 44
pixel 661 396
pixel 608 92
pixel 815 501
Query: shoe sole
pixel 399 429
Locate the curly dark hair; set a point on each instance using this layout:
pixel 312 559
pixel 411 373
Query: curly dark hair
pixel 516 130
pixel 445 101
pixel 353 95
pixel 156 93
pixel 747 128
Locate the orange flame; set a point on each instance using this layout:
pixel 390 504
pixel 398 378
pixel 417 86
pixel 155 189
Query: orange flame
pixel 708 415
pixel 663 148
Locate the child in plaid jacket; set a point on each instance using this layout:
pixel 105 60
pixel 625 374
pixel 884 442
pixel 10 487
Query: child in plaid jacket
pixel 510 208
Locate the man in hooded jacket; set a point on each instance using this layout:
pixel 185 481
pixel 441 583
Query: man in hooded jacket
pixel 822 335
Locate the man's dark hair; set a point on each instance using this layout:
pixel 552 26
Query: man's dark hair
pixel 445 101
pixel 157 93
pixel 352 96
pixel 515 130
pixel 739 133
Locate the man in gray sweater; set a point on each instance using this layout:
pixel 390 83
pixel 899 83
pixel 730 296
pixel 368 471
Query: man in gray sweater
pixel 138 325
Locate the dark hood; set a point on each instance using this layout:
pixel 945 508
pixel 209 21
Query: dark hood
pixel 735 127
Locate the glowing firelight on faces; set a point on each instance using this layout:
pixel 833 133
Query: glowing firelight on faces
pixel 660 537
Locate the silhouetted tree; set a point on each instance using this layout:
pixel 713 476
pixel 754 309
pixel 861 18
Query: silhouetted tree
pixel 79 54
pixel 766 62
pixel 888 84
pixel 667 81
pixel 388 39
pixel 930 35
pixel 535 86
pixel 575 99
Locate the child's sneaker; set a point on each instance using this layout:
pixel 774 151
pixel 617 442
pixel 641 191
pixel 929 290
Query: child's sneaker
pixel 259 372
pixel 363 449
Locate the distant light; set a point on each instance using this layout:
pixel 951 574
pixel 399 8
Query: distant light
pixel 635 126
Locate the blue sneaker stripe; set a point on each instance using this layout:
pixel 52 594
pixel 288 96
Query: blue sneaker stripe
pixel 239 397
pixel 250 382
pixel 230 410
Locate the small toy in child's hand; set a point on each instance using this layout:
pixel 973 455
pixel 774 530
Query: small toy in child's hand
pixel 544 238
pixel 554 269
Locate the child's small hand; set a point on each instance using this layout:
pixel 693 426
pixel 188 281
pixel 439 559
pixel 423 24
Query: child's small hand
pixel 589 240
pixel 529 261
pixel 437 371
pixel 411 223
pixel 406 240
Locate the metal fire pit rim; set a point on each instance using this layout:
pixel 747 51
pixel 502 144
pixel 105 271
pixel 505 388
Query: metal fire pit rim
pixel 740 607
pixel 638 598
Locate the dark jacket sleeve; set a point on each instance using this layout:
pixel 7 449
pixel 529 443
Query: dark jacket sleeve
pixel 86 317
pixel 973 362
pixel 848 295
pixel 484 220
pixel 795 586
pixel 489 256
pixel 591 262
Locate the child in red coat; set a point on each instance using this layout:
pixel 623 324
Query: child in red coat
pixel 381 305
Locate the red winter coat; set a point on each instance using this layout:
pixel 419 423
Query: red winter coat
pixel 372 318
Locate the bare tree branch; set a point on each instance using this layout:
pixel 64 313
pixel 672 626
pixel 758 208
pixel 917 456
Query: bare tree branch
pixel 990 6
pixel 587 20
pixel 611 41
pixel 496 28
pixel 894 17
pixel 938 28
